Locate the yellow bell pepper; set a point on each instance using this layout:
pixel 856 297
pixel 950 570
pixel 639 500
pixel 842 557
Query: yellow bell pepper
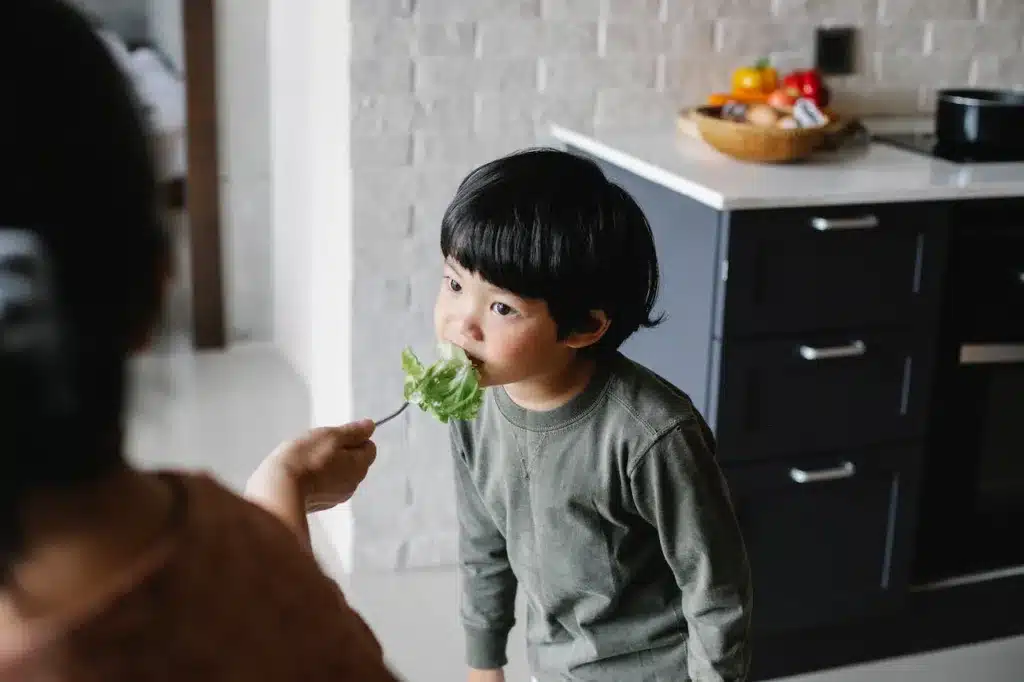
pixel 760 78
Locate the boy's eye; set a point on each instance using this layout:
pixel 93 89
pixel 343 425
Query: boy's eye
pixel 502 309
pixel 453 285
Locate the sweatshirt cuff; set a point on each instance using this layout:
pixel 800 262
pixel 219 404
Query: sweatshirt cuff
pixel 485 649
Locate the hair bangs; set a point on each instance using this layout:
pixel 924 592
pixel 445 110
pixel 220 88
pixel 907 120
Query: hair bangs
pixel 514 252
pixel 546 224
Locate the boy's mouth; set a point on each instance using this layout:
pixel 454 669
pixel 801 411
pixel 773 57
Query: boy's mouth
pixel 473 360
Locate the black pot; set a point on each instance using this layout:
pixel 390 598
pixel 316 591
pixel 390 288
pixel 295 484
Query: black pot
pixel 983 120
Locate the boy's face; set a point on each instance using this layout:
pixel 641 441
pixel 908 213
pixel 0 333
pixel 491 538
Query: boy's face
pixel 509 338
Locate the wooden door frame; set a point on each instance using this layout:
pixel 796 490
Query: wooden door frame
pixel 202 184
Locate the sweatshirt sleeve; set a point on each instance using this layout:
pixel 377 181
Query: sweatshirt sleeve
pixel 678 488
pixel 488 586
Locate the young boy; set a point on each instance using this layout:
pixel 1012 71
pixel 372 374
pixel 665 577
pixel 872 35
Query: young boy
pixel 585 479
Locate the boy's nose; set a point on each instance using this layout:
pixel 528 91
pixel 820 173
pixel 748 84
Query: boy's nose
pixel 469 328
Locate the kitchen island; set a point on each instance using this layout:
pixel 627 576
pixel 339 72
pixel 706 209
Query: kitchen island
pixel 877 174
pixel 827 318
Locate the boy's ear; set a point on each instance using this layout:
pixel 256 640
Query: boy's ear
pixel 599 323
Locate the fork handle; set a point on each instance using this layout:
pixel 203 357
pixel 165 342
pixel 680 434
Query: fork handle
pixel 394 414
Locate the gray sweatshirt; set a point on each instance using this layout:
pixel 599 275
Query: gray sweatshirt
pixel 613 517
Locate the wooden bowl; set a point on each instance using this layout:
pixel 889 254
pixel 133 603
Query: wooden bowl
pixel 748 142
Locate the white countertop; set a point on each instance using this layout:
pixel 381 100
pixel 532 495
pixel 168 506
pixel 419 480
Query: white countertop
pixel 877 173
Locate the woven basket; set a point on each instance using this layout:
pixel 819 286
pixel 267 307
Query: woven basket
pixel 748 142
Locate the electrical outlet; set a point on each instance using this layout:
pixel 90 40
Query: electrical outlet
pixel 834 53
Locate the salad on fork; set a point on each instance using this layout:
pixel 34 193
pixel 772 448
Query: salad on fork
pixel 448 389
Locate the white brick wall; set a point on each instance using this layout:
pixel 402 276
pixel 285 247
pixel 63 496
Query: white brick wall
pixel 441 85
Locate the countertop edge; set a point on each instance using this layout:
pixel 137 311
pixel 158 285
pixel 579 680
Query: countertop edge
pixel 847 198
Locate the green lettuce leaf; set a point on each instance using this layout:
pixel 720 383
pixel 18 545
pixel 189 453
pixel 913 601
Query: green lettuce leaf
pixel 448 389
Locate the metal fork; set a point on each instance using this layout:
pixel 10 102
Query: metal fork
pixel 394 414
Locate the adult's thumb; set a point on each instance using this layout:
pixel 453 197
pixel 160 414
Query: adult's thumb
pixel 357 432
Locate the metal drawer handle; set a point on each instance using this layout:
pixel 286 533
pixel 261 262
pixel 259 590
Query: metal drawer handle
pixel 991 353
pixel 849 351
pixel 846 470
pixel 862 223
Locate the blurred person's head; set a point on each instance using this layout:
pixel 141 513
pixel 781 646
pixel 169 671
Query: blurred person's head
pixel 83 255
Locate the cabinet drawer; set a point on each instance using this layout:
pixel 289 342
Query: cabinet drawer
pixel 987 284
pixel 832 268
pixel 827 539
pixel 821 392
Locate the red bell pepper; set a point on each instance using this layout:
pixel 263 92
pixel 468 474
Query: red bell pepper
pixel 793 84
pixel 807 84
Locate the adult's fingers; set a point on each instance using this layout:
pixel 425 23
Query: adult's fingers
pixel 354 433
pixel 365 454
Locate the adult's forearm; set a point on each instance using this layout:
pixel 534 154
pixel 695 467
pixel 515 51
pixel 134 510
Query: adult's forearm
pixel 273 488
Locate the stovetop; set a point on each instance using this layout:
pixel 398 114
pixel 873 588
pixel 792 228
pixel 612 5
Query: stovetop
pixel 928 145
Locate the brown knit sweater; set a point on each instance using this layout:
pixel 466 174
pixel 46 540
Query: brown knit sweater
pixel 230 595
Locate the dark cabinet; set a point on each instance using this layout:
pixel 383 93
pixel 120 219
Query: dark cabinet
pixel 825 535
pixel 798 270
pixel 814 350
pixel 824 370
pixel 988 266
pixel 814 392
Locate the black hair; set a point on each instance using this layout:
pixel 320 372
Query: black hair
pixel 77 176
pixel 548 224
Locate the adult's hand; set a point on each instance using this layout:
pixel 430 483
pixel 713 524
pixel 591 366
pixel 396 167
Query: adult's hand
pixel 314 472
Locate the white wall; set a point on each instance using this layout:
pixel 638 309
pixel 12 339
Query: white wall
pixel 333 257
pixel 243 72
pixel 311 210
pixel 291 156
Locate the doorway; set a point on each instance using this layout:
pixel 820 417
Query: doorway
pixel 167 48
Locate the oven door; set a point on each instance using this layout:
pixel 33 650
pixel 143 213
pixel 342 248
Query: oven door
pixel 973 498
pixel 991 381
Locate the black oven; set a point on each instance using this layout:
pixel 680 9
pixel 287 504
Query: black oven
pixel 971 524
